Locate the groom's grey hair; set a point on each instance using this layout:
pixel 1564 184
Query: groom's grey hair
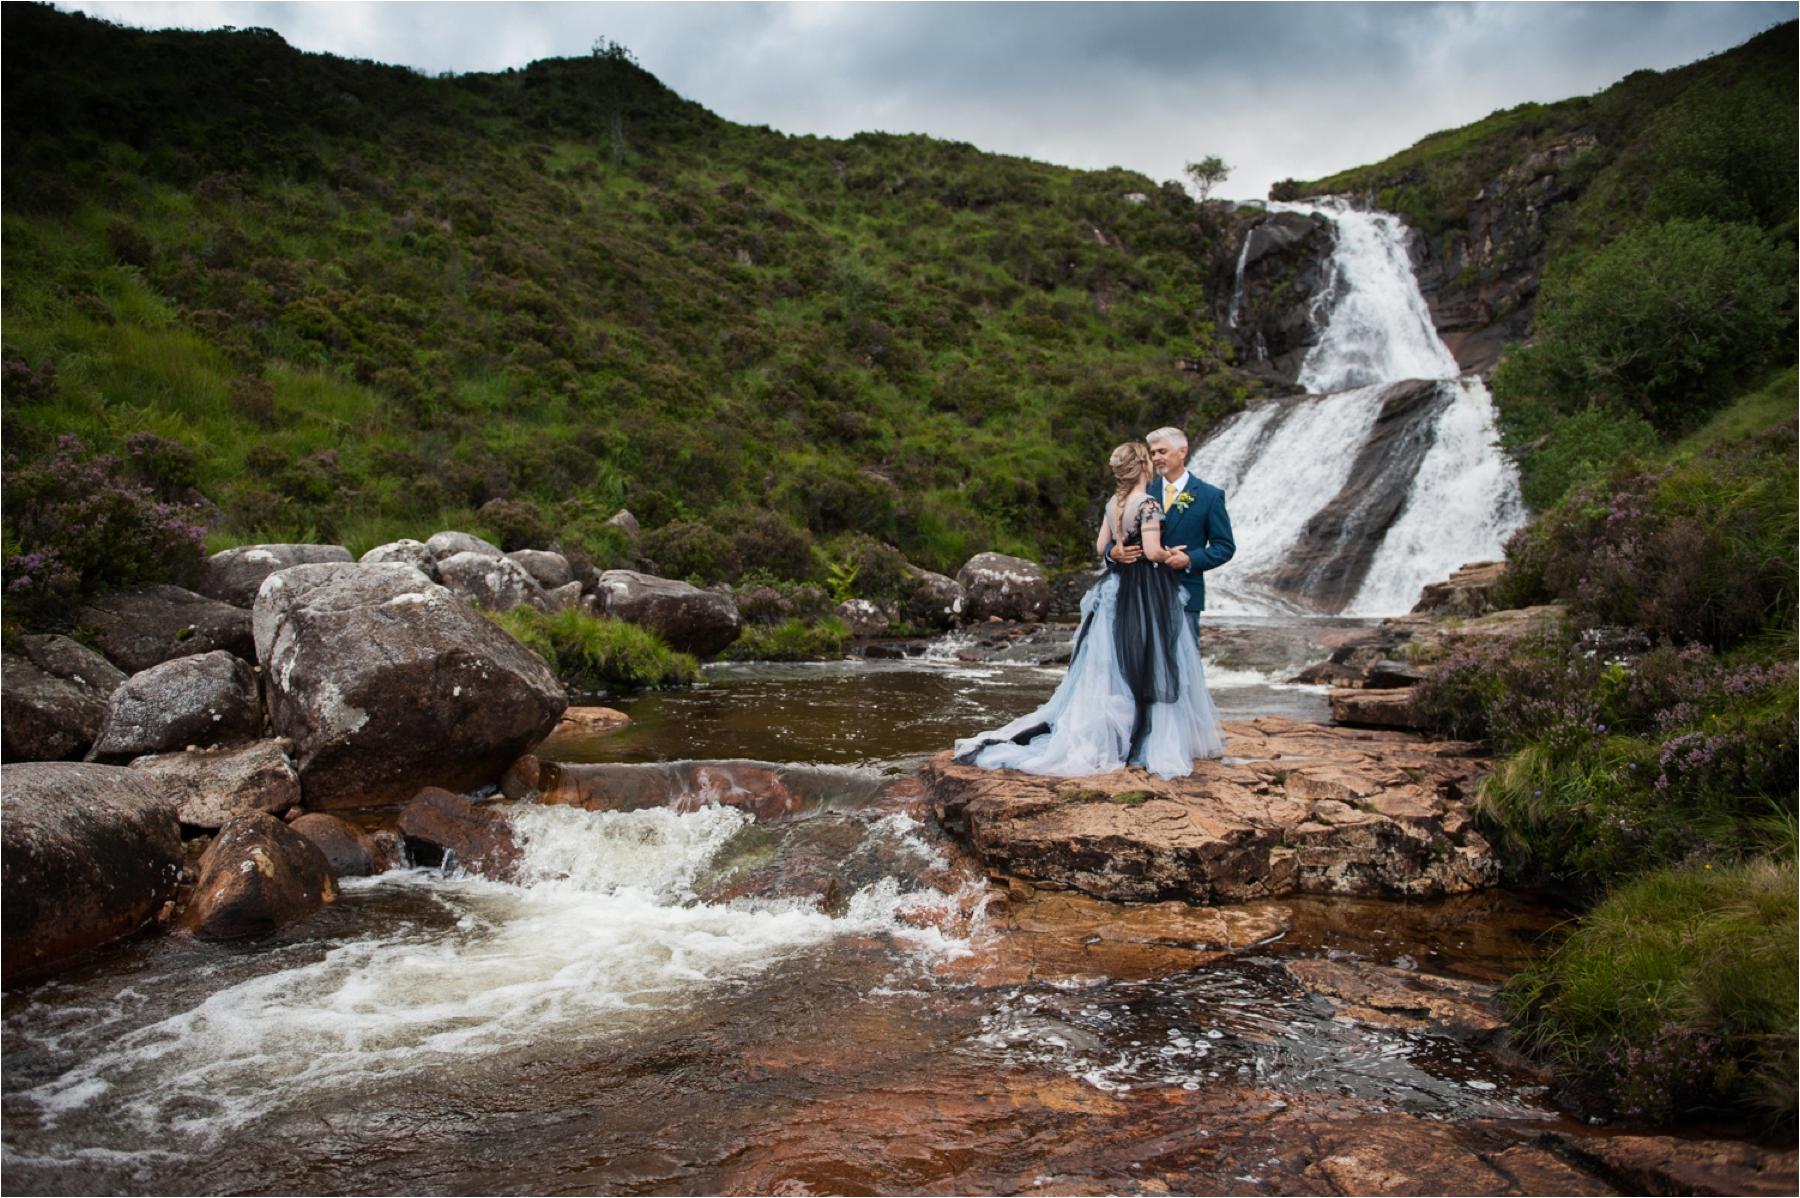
pixel 1173 436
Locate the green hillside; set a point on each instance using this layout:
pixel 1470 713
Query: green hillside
pixel 354 303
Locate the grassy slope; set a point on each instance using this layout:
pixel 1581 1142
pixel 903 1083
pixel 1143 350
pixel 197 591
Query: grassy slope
pixel 372 301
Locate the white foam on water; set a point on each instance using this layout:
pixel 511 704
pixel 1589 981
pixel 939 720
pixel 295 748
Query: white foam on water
pixel 602 931
pixel 1298 467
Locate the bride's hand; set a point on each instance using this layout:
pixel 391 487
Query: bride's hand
pixel 1177 558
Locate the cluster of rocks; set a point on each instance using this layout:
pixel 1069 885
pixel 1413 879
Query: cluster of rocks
pixel 296 683
pixel 219 729
pixel 1373 672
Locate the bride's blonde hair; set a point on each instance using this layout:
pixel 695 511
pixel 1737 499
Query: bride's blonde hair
pixel 1130 462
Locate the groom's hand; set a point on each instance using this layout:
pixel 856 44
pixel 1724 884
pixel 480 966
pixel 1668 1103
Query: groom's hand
pixel 1125 554
pixel 1178 558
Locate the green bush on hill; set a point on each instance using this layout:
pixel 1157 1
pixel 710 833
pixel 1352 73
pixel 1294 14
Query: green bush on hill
pixel 1664 323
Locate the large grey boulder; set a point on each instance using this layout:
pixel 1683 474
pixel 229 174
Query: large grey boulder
pixel 212 785
pixel 549 568
pixel 65 658
pixel 142 628
pixel 863 617
pixel 1009 588
pixel 88 853
pixel 496 583
pixel 410 552
pixel 53 698
pixel 931 601
pixel 233 575
pixel 448 543
pixel 565 596
pixel 387 682
pixel 206 700
pixel 691 620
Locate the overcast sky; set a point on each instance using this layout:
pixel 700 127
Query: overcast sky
pixel 1277 90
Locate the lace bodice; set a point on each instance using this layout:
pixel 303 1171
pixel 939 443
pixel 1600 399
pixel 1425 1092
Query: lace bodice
pixel 1131 524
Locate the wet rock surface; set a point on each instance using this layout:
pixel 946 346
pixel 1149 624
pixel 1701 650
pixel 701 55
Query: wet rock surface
pixel 690 619
pixel 438 825
pixel 210 699
pixel 90 854
pixel 1327 567
pixel 1057 936
pixel 142 628
pixel 1292 809
pixel 349 851
pixel 213 785
pixel 385 682
pixel 1386 996
pixel 1670 1165
pixel 257 876
pixel 1266 295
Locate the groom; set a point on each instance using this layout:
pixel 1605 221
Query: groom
pixel 1194 521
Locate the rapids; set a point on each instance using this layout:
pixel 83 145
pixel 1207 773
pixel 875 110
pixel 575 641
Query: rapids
pixel 612 1023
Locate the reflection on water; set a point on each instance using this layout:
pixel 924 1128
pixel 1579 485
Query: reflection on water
pixel 897 713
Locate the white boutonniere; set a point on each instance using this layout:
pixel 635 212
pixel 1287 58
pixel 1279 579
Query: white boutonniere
pixel 1178 502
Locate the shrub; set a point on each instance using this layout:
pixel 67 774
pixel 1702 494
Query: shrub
pixel 78 525
pixel 595 653
pixel 1676 994
pixel 1620 768
pixel 1703 550
pixel 692 550
pixel 768 542
pixel 791 640
pixel 517 523
pixel 1559 452
pixel 1661 322
pixel 870 569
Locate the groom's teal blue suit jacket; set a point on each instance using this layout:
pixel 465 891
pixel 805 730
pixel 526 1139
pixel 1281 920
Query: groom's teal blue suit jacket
pixel 1203 526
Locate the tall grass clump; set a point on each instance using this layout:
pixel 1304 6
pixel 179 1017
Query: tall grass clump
pixel 1676 995
pixel 791 640
pixel 596 653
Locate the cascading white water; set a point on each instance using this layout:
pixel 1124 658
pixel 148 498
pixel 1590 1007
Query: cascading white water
pixel 601 932
pixel 1282 462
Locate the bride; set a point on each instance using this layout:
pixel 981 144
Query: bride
pixel 1135 693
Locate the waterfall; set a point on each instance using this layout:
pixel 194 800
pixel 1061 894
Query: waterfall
pixel 1237 289
pixel 1386 475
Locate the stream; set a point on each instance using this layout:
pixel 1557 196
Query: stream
pixel 600 1026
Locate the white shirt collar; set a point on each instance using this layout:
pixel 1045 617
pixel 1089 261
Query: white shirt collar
pixel 1179 485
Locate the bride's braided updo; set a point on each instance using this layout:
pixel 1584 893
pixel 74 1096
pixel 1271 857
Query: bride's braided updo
pixel 1130 462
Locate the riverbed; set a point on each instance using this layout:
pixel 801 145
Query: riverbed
pixel 600 1027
